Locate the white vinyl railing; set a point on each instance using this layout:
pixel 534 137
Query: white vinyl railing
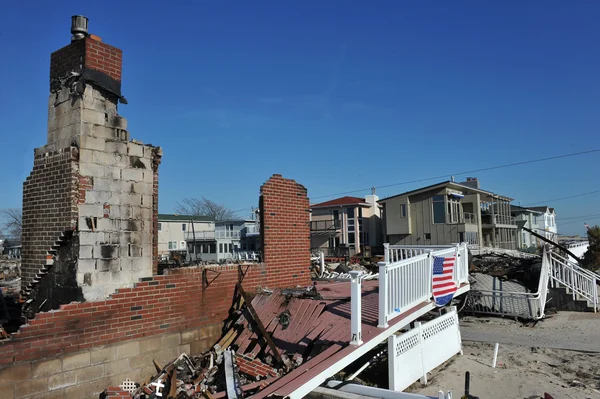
pixel 405 280
pixel 580 281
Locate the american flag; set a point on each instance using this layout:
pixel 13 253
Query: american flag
pixel 443 286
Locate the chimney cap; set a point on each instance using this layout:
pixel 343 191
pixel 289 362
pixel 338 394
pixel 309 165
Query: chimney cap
pixel 79 27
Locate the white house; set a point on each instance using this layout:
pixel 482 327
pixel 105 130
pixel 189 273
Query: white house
pixel 546 223
pixel 175 231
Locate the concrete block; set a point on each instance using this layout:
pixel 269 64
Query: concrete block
pixel 91 210
pixel 108 265
pixel 106 133
pixel 62 380
pixel 126 264
pixel 87 390
pixel 90 169
pixel 200 346
pixel 150 345
pixel 140 264
pixel 111 289
pixel 46 368
pixel 102 355
pixel 189 336
pixel 141 361
pixel 128 349
pixel 90 373
pixel 135 149
pixel 146 200
pixel 102 278
pixel 86 252
pixel 104 158
pixel 172 340
pixel 92 143
pixel 93 293
pixel 118 147
pixel 105 224
pixel 58 394
pixel 121 278
pixel 116 367
pixel 184 348
pixel 97 197
pixel 106 184
pixel 87 265
pixel 132 174
pixel 34 386
pixel 148 176
pixel 91 237
pixel 91 116
pixel 76 361
pixel 16 373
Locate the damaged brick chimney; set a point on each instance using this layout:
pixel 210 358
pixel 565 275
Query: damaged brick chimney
pixel 90 204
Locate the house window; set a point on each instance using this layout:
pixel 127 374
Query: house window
pixel 230 247
pixel 350 212
pixel 220 247
pixel 351 238
pixel 453 210
pixel 159 226
pixel 182 245
pixel 360 212
pixel 336 215
pixel 403 210
pixel 172 244
pixel 428 236
pixel 439 209
pixel 182 226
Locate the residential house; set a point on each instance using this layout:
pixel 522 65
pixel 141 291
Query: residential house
pixel 235 237
pixel 175 231
pixel 547 223
pixel 526 219
pixel 449 212
pixel 346 225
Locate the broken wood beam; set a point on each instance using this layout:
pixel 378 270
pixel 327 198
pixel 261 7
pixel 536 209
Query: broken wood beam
pixel 263 331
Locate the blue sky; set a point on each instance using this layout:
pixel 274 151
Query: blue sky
pixel 338 95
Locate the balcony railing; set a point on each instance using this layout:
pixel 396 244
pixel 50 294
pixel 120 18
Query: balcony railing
pixel 325 225
pixel 227 234
pixel 492 218
pixel 468 217
pixel 199 235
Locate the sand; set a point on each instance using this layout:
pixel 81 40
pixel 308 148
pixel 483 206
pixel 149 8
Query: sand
pixel 559 356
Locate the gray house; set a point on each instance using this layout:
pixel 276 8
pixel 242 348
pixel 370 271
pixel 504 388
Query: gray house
pixel 450 212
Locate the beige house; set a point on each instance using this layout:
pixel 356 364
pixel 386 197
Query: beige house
pixel 345 226
pixel 449 212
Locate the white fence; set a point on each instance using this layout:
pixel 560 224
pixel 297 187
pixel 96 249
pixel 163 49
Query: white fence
pixel 581 282
pixel 405 280
pixel 415 353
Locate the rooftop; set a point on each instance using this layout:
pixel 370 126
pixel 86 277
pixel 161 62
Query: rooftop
pixel 343 201
pixel 164 217
pixel 448 183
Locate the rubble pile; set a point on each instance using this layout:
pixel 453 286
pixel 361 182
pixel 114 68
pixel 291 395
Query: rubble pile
pixel 522 270
pixel 245 359
pixel 341 270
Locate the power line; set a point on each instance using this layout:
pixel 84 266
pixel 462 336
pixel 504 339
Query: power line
pixel 467 172
pixel 578 217
pixel 563 198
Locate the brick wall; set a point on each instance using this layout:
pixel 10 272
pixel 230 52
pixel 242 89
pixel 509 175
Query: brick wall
pixel 48 207
pixel 285 231
pixel 103 57
pixel 159 305
pixel 85 53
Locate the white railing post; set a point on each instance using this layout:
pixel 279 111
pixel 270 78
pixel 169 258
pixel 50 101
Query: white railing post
pixel 386 253
pixel 419 325
pixel 392 364
pixel 356 305
pixel 383 295
pixel 322 263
